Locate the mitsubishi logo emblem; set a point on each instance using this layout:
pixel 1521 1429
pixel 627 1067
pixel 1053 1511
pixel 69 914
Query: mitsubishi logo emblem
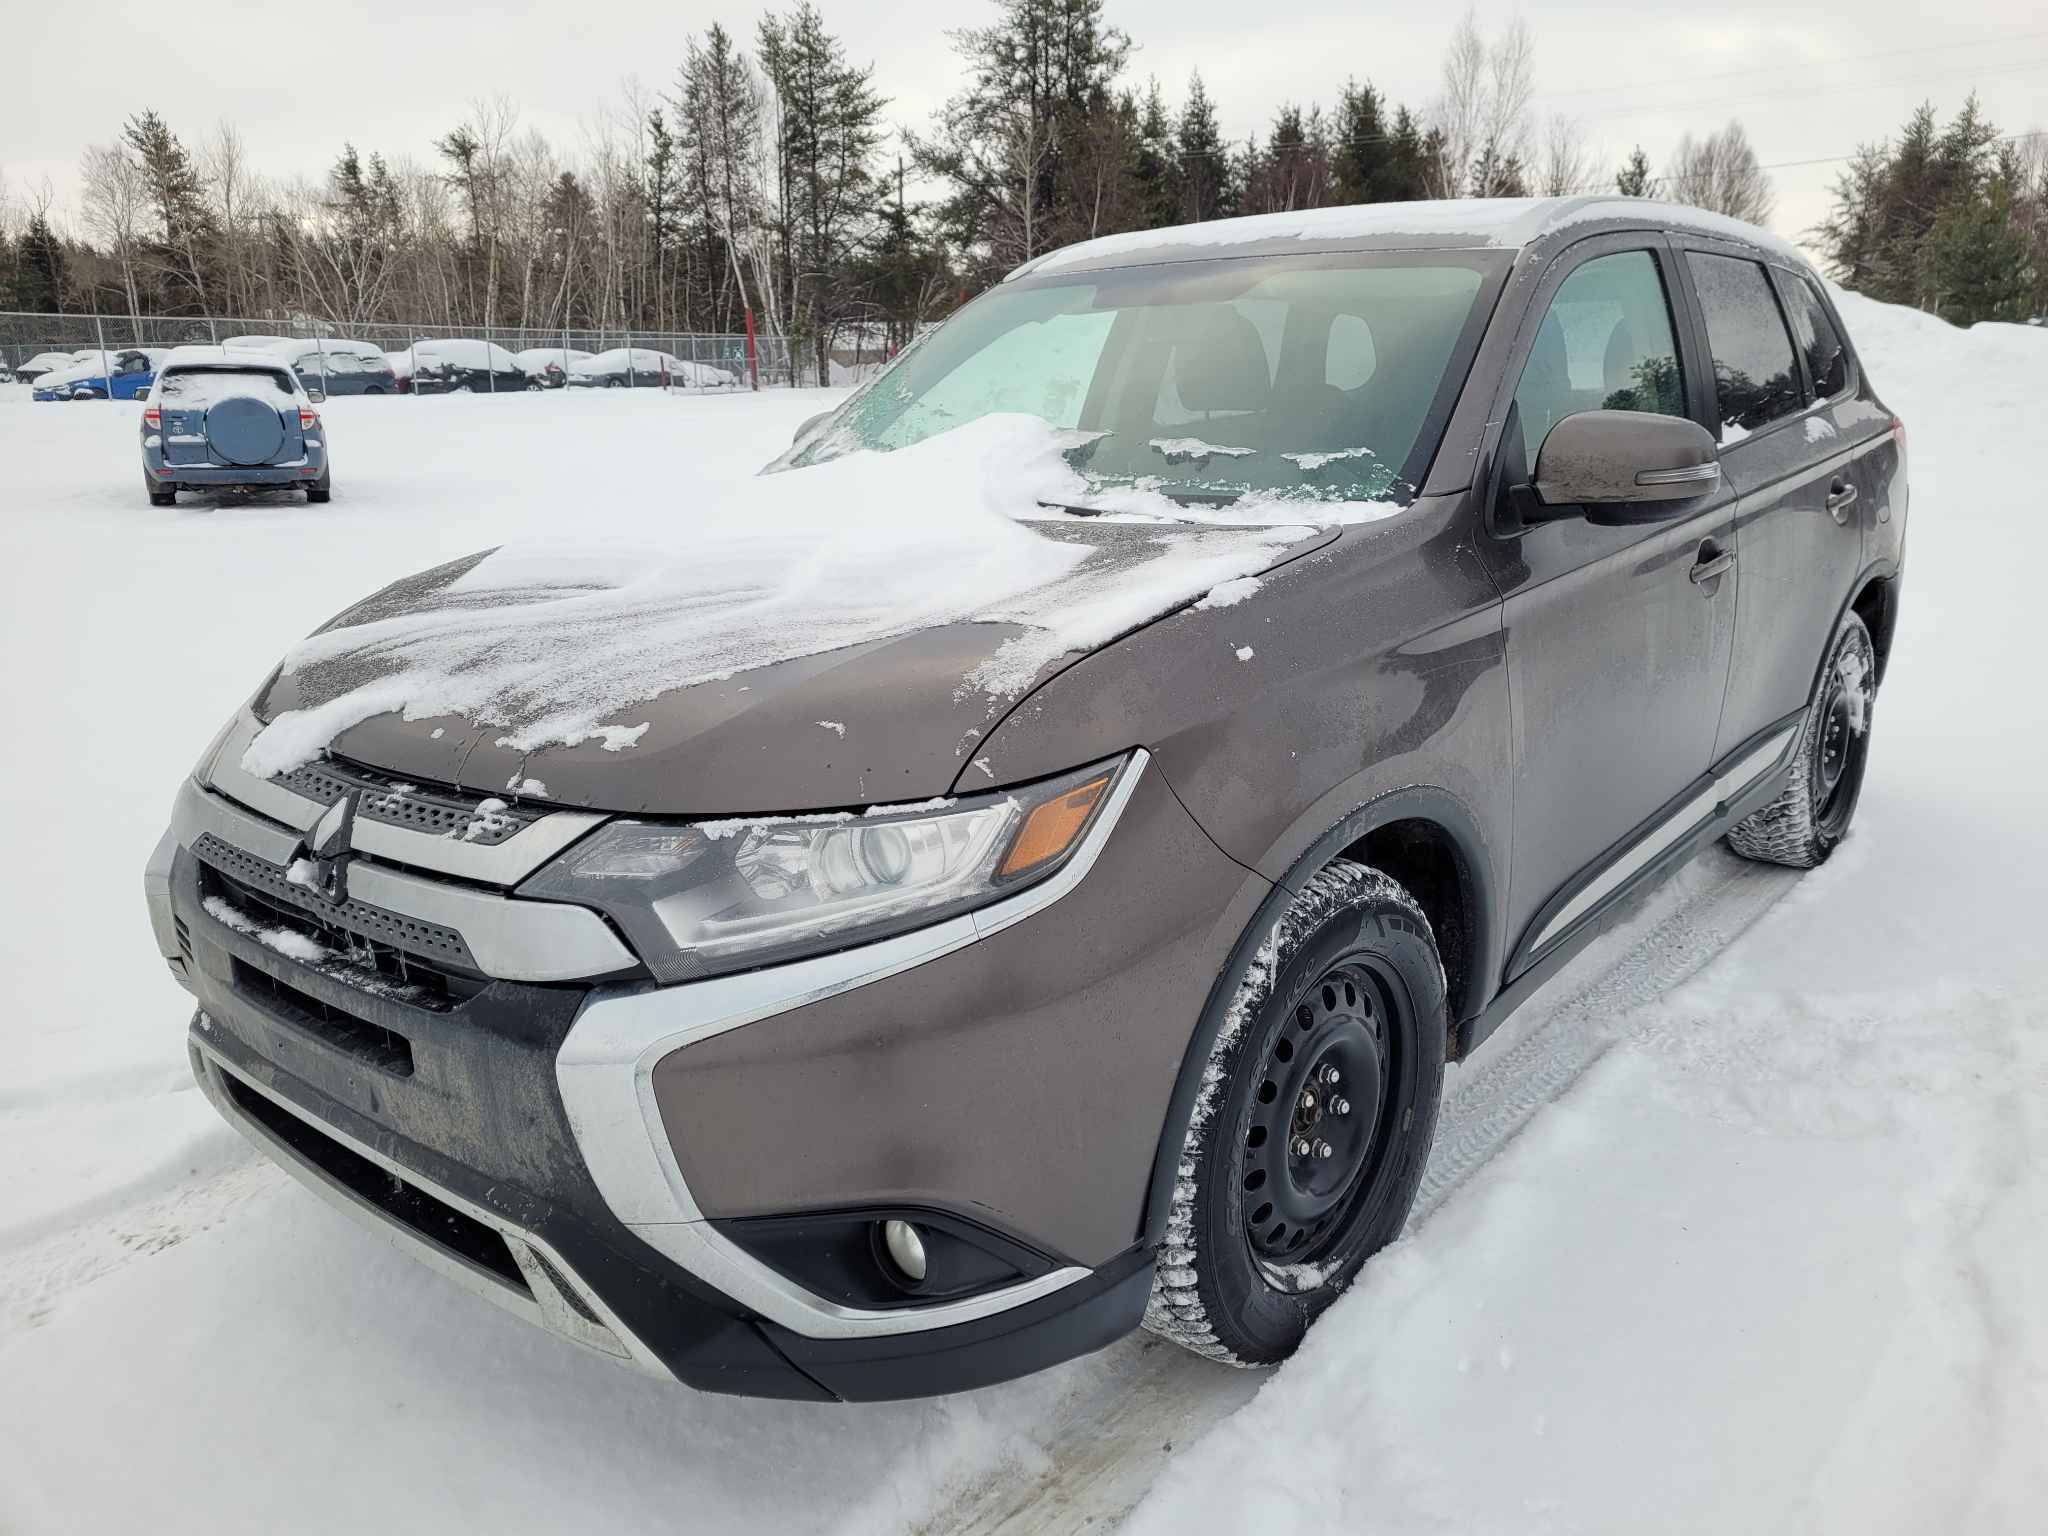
pixel 328 849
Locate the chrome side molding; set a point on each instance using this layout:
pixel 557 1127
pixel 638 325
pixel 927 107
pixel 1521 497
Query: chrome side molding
pixel 1729 783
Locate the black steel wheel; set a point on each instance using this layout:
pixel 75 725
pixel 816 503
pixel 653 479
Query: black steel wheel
pixel 1306 1148
pixel 1803 825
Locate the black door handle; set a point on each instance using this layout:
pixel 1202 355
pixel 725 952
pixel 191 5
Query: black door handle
pixel 1714 563
pixel 1841 497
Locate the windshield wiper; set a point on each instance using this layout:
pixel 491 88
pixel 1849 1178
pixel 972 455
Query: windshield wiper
pixel 1074 507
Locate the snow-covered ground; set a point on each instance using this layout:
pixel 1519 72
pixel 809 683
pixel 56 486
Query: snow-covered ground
pixel 1767 1252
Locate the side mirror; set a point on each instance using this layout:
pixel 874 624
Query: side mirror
pixel 1625 467
pixel 803 431
pixel 315 393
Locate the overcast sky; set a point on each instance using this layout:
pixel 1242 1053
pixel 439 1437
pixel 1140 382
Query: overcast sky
pixel 1809 81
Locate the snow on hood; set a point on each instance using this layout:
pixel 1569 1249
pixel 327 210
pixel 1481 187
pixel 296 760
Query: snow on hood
pixel 559 645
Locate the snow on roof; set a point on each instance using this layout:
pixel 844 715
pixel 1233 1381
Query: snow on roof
pixel 1504 223
pixel 200 353
pixel 540 357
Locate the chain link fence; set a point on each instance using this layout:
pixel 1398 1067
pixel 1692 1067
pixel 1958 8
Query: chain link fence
pixel 23 336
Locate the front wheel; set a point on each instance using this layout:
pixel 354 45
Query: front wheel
pixel 1811 815
pixel 1317 1109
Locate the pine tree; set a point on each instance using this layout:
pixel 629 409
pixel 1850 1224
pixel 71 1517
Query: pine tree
pixel 1160 190
pixel 1204 159
pixel 1976 264
pixel 661 194
pixel 1039 96
pixel 1633 180
pixel 182 253
pixel 827 131
pixel 40 268
pixel 1364 148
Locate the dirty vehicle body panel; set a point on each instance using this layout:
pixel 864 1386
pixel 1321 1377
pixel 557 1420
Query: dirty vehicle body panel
pixel 1521 710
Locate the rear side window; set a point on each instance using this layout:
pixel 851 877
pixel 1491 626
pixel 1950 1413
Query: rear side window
pixel 199 388
pixel 1605 344
pixel 1827 360
pixel 1756 380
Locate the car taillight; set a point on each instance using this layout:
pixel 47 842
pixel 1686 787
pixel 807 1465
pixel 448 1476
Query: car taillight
pixel 152 417
pixel 1899 432
pixel 308 419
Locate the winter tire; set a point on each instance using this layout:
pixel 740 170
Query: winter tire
pixel 159 498
pixel 321 490
pixel 1802 826
pixel 1313 1122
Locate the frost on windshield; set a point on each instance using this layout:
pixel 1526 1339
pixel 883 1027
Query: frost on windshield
pixel 558 645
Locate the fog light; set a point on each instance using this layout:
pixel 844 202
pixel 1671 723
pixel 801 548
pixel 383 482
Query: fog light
pixel 906 1248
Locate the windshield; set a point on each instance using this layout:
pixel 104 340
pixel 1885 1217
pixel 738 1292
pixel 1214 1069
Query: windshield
pixel 1324 378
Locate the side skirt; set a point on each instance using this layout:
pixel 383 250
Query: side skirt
pixel 1747 778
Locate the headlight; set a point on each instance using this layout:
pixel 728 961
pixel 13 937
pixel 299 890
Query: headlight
pixel 724 896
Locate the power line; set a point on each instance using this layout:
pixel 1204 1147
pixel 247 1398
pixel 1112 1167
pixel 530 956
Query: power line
pixel 1852 58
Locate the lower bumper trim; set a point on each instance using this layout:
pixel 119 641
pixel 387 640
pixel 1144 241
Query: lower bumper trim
pixel 506 1265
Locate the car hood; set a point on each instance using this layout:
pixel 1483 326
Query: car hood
pixel 885 720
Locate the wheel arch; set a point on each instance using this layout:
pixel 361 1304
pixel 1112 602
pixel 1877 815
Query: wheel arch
pixel 1876 603
pixel 1421 836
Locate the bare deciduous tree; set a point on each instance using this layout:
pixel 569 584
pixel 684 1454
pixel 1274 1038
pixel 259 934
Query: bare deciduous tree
pixel 1482 115
pixel 1719 173
pixel 114 207
pixel 1567 164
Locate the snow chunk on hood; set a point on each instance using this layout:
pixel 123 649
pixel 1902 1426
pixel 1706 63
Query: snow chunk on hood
pixel 556 644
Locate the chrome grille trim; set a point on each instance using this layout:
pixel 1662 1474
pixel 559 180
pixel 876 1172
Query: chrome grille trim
pixel 502 860
pixel 508 939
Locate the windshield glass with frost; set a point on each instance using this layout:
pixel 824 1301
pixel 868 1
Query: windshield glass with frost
pixel 1323 378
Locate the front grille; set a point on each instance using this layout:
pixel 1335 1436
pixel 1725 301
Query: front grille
pixel 369 1043
pixel 406 1203
pixel 405 948
pixel 436 811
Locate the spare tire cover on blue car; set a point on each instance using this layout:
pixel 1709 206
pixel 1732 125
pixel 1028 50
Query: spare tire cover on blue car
pixel 244 430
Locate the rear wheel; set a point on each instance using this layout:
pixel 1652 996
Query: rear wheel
pixel 322 489
pixel 159 496
pixel 1802 826
pixel 1315 1117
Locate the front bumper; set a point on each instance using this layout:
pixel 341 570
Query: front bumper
pixel 604 1131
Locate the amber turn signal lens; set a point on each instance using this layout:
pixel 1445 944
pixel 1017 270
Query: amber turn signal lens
pixel 1050 830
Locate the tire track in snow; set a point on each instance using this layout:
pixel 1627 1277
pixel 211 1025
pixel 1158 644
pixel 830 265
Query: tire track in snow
pixel 1107 1443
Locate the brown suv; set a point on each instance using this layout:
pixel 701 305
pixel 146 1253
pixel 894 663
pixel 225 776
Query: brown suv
pixel 906 1056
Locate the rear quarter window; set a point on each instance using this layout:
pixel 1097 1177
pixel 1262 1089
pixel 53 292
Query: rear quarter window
pixel 1756 379
pixel 1827 360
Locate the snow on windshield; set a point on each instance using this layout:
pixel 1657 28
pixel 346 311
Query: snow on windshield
pixel 559 644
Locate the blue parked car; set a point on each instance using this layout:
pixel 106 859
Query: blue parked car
pixel 220 418
pixel 119 373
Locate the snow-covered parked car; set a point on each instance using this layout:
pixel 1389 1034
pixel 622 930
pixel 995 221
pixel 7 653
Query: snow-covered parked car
pixel 338 367
pixel 550 365
pixel 222 418
pixel 1018 871
pixel 34 368
pixel 118 373
pixel 465 365
pixel 645 368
